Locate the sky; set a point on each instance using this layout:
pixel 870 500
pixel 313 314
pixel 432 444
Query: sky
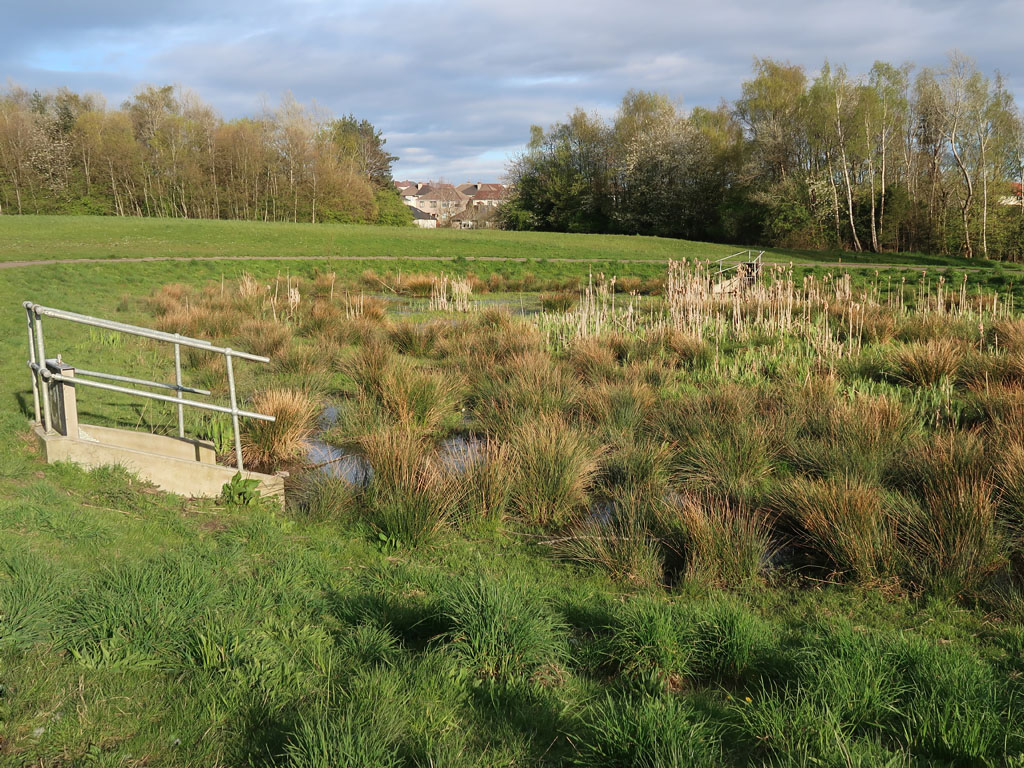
pixel 455 84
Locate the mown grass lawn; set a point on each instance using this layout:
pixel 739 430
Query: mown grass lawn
pixel 30 238
pixel 138 628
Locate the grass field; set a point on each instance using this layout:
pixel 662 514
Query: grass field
pixel 783 529
pixel 31 238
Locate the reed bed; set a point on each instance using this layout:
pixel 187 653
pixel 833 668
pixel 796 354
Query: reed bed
pixel 868 430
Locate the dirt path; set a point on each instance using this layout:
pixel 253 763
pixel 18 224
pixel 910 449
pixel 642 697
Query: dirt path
pixel 138 259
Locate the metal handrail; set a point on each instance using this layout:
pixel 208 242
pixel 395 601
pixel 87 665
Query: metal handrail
pixel 144 382
pixel 42 376
pixel 750 259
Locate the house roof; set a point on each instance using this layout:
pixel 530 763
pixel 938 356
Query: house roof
pixel 476 213
pixel 441 192
pixel 490 194
pixel 418 214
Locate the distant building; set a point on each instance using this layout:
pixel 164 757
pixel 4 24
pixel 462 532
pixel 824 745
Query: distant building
pixel 449 205
pixel 422 219
pixel 476 217
pixel 442 200
pixel 1016 196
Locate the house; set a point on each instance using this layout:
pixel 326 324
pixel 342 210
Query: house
pixel 476 217
pixel 422 219
pixel 480 193
pixel 489 195
pixel 408 190
pixel 1016 196
pixel 442 200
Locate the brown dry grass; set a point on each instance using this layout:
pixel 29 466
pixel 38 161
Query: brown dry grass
pixel 263 337
pixel 557 466
pixel 927 363
pixel 269 445
pixel 847 522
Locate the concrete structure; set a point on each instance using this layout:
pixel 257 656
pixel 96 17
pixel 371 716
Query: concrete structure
pixel 174 464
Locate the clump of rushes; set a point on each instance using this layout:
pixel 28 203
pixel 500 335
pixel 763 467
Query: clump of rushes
pixel 411 494
pixel 860 437
pixel 1008 334
pixel 317 496
pixel 626 406
pixel 618 540
pixel 722 545
pixel 1009 474
pixel 557 467
pixel 528 386
pixel 263 337
pixel 417 339
pixel 323 319
pixel 268 445
pixel 952 538
pixel 178 319
pixel 927 363
pixel 735 461
pixel 488 475
pixel 501 629
pixel 591 359
pixel 307 359
pixel 686 350
pixel 417 398
pixel 558 302
pixel 847 522
pixel 638 466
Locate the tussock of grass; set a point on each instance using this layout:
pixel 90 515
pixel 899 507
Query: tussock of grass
pixel 318 496
pixel 638 731
pixel 488 476
pixel 557 466
pixel 412 494
pixel 848 524
pixel 263 337
pixel 722 545
pixel 861 438
pixel 954 544
pixel 417 339
pixel 268 445
pixel 592 360
pixel 618 540
pixel 928 363
pixel 501 629
pixel 418 399
pixel 626 407
pixel 527 387
pixel 735 463
pixel 634 466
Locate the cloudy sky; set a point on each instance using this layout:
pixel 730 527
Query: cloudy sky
pixel 455 84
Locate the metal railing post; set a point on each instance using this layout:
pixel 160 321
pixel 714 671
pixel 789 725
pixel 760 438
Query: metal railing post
pixel 31 360
pixel 177 381
pixel 234 408
pixel 41 354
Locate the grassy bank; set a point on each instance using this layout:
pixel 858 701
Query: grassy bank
pixel 630 568
pixel 31 238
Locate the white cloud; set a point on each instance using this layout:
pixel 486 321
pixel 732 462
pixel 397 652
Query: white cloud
pixel 456 85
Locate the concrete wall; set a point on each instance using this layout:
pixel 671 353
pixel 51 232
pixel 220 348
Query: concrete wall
pixel 173 464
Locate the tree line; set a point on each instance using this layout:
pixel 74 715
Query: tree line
pixel 166 153
pixel 889 160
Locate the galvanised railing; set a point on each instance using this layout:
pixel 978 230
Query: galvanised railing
pixel 42 375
